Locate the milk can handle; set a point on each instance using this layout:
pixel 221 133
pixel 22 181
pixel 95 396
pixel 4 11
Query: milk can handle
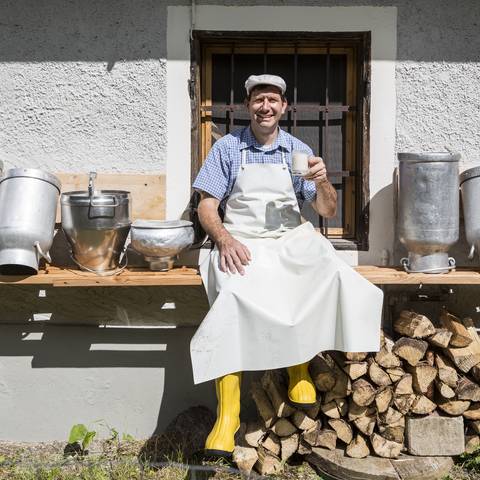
pixel 471 253
pixel 46 255
pixel 113 205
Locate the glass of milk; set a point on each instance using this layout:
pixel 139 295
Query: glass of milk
pixel 299 162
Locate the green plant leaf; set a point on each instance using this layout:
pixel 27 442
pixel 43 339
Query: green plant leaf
pixel 77 433
pixel 126 437
pixel 89 436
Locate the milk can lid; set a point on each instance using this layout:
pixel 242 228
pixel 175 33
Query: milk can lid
pixel 33 173
pixel 470 173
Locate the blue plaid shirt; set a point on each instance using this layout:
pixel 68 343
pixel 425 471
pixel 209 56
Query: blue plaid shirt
pixel 219 172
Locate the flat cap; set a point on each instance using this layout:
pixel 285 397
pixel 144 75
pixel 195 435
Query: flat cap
pixel 265 79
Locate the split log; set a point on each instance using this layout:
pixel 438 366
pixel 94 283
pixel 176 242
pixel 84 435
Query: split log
pixel 283 427
pixel 322 372
pixel 377 374
pixel 446 371
pixel 472 442
pixel 267 463
pixel 396 373
pixel 464 358
pixel 313 412
pixel 383 398
pixel 460 335
pixel 444 390
pixel 385 357
pixel 422 405
pixel 467 357
pixel 474 426
pixel 404 385
pixel 357 411
pixel 356 356
pixel 441 338
pixel 321 438
pixel 358 447
pixel 264 406
pixel 385 448
pixel 392 425
pixel 330 409
pixel 272 384
pixel 342 387
pixel 467 390
pixel 254 433
pixel 245 458
pixel 393 433
pixel 404 402
pixel 413 325
pixel 422 377
pixel 289 446
pixel 302 421
pixel 272 443
pixel 365 424
pixel 453 407
pixel 355 369
pixel 391 417
pixel 473 412
pixel 410 349
pixel 363 392
pixel 342 428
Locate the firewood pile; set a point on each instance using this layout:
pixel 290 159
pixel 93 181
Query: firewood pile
pixel 364 398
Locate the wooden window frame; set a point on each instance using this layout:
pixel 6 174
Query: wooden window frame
pixel 203 43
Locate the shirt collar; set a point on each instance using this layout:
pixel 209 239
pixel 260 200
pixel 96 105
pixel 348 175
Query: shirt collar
pixel 248 140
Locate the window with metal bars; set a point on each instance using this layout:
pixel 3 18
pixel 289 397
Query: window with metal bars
pixel 327 78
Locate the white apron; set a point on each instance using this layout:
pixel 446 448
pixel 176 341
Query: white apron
pixel 296 299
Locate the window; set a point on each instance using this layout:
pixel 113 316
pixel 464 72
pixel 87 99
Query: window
pixel 327 79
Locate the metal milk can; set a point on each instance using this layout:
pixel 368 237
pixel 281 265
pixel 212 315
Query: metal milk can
pixel 96 224
pixel 28 207
pixel 470 188
pixel 428 209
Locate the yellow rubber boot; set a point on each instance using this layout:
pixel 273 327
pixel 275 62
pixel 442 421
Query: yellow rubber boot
pixel 221 440
pixel 301 389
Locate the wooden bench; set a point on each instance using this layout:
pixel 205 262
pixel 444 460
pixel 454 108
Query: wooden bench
pixel 148 202
pixel 67 277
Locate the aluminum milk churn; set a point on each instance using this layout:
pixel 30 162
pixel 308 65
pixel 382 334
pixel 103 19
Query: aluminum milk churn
pixel 28 207
pixel 470 188
pixel 428 209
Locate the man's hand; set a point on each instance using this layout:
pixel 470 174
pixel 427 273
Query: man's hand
pixel 317 172
pixel 234 255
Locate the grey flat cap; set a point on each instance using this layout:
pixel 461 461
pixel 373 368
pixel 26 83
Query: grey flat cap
pixel 265 79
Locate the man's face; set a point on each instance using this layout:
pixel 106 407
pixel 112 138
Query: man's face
pixel 266 107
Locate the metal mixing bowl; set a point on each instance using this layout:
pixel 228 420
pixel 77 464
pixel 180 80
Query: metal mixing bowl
pixel 160 241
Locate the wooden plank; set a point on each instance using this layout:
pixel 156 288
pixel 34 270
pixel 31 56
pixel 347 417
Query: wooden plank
pixel 135 276
pixel 62 277
pixel 147 191
pixel 389 275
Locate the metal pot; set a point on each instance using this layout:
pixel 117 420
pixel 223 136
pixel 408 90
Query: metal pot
pixel 160 241
pixel 428 209
pixel 470 188
pixel 96 224
pixel 28 206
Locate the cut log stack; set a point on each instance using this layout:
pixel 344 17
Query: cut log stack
pixel 363 398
